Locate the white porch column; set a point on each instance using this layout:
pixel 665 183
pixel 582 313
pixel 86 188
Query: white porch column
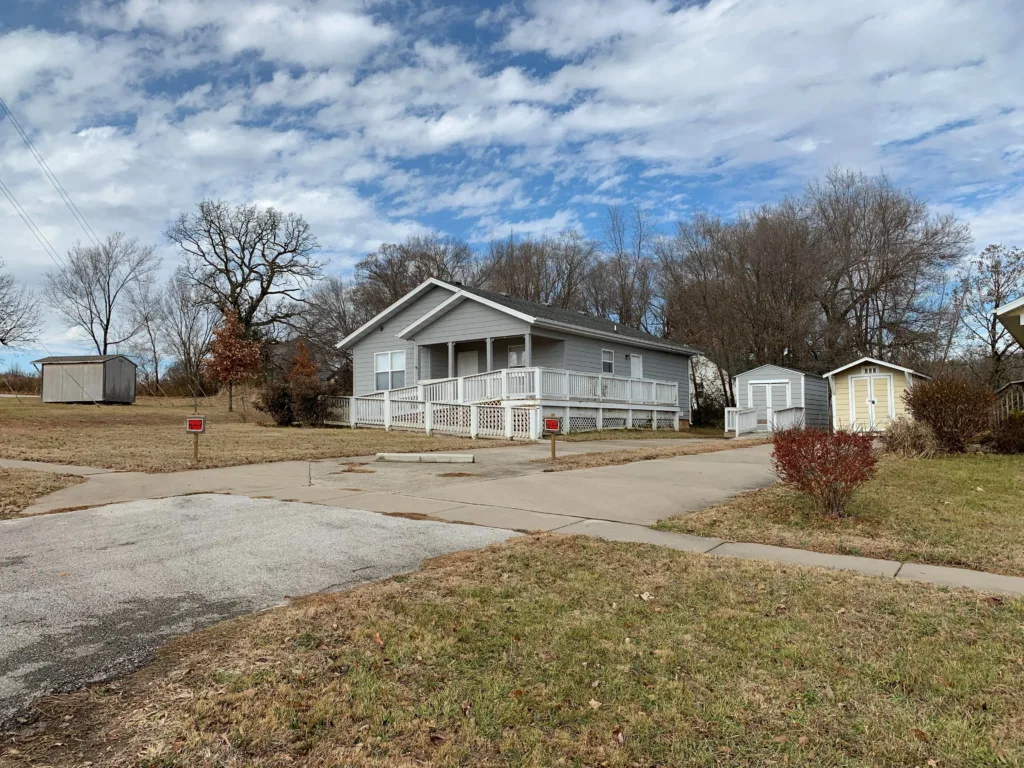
pixel 490 354
pixel 675 421
pixel 387 410
pixel 508 423
pixel 428 418
pixel 528 353
pixel 600 419
pixel 415 364
pixel 535 423
pixel 474 421
pixel 654 419
pixel 451 359
pixel 629 419
pixel 352 411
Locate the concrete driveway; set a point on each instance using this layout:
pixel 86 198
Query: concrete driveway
pixel 88 595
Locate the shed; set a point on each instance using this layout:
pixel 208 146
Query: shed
pixel 783 397
pixel 867 394
pixel 87 379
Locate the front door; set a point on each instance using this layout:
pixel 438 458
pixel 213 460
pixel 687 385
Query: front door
pixel 636 366
pixel 467 362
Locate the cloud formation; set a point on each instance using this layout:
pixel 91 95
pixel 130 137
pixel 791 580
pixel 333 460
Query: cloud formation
pixel 376 120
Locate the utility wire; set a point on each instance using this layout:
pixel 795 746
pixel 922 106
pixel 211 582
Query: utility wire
pixel 82 222
pixel 32 226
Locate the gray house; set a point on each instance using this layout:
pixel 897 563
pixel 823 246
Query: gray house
pixel 772 397
pixel 446 343
pixel 87 379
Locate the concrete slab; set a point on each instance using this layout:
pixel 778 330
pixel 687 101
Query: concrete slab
pixel 89 595
pixel 503 517
pixel 63 469
pixel 306 494
pixel 394 503
pixel 623 532
pixel 962 577
pixel 865 565
pixel 427 458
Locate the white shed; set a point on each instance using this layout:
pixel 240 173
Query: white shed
pixel 87 379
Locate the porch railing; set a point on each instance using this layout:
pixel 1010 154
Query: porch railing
pixel 739 421
pixel 787 418
pixel 542 383
pixel 471 420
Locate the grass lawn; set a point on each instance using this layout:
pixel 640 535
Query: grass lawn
pixel 572 651
pixel 149 436
pixel 629 455
pixel 20 487
pixel 645 434
pixel 965 511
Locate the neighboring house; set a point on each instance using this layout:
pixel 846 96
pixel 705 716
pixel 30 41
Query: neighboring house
pixel 450 344
pixel 772 397
pixel 867 394
pixel 1010 399
pixel 1012 317
pixel 87 379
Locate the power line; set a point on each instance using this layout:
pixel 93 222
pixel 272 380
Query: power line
pixel 79 217
pixel 32 226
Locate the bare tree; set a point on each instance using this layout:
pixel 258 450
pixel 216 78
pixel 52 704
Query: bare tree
pixel 995 277
pixel 186 325
pixel 248 261
pixel 552 270
pixel 147 348
pixel 20 317
pixel 92 290
pixel 622 284
pixel 331 315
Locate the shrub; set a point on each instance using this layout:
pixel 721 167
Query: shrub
pixel 278 401
pixel 828 467
pixel 311 405
pixel 1009 436
pixel 911 439
pixel 956 408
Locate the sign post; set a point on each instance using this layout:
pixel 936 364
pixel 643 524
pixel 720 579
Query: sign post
pixel 552 426
pixel 195 425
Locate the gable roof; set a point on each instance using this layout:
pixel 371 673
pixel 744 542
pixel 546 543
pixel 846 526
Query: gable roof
pixel 1009 384
pixel 79 359
pixel 781 368
pixel 532 312
pixel 876 361
pixel 1007 315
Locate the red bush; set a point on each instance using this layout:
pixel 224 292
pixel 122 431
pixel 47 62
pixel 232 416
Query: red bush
pixel 827 467
pixel 956 408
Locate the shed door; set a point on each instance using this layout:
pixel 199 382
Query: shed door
pixel 861 405
pixel 766 399
pixel 880 402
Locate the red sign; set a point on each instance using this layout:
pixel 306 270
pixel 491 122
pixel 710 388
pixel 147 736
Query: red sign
pixel 195 424
pixel 552 425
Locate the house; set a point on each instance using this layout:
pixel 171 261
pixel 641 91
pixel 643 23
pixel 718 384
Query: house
pixel 1009 399
pixel 1011 316
pixel 867 394
pixel 87 379
pixel 772 397
pixel 446 344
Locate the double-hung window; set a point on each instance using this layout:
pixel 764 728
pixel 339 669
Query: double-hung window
pixel 607 361
pixel 389 370
pixel 517 356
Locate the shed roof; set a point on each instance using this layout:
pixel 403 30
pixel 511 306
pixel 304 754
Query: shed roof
pixel 876 361
pixel 80 359
pixel 783 368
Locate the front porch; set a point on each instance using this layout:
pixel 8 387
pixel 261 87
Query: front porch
pixel 454 359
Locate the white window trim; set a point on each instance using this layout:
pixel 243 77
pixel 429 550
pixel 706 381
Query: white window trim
pixel 612 361
pixel 523 357
pixel 391 371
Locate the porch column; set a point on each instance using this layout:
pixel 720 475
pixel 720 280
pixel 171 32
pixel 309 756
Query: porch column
pixel 415 364
pixel 528 353
pixel 490 354
pixel 451 359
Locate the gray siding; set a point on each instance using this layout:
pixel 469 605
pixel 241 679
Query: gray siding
pixel 72 382
pixel 770 373
pixel 384 341
pixel 470 321
pixel 119 381
pixel 817 410
pixel 547 352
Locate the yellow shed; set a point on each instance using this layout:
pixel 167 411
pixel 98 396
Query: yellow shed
pixel 867 394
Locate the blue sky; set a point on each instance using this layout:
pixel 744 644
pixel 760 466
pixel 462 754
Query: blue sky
pixel 377 120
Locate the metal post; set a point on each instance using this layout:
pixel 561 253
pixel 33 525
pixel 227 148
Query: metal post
pixel 552 446
pixel 195 447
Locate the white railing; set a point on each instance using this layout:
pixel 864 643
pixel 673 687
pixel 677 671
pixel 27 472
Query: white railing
pixel 369 411
pixel 787 418
pixel 406 393
pixel 740 420
pixel 441 391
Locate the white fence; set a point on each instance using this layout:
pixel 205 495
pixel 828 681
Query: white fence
pixel 740 420
pixel 540 383
pixel 496 421
pixel 787 418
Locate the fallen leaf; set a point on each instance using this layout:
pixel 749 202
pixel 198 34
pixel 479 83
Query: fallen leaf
pixel 595 684
pixel 645 596
pixel 919 734
pixel 595 704
pixel 802 741
pixel 377 640
pixel 725 750
pixel 617 735
pixel 516 694
pixel 662 653
pixel 465 708
pixel 781 739
pixel 932 763
pixel 438 738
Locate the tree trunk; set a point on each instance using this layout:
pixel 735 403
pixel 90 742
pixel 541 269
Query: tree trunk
pixel 230 404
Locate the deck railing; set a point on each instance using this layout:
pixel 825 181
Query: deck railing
pixel 739 421
pixel 471 420
pixel 787 418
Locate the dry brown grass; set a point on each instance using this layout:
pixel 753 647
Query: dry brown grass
pixel 963 511
pixel 629 455
pixel 571 651
pixel 150 436
pixel 19 488
pixel 645 434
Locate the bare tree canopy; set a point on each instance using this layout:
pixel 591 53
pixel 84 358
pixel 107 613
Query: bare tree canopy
pixel 332 313
pixel 551 270
pixel 93 290
pixel 248 261
pixel 20 317
pixel 994 278
pixel 186 325
pixel 394 269
pixel 622 284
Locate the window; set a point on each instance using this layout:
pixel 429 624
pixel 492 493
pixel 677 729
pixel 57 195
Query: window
pixel 389 370
pixel 607 361
pixel 517 356
pixel 869 369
